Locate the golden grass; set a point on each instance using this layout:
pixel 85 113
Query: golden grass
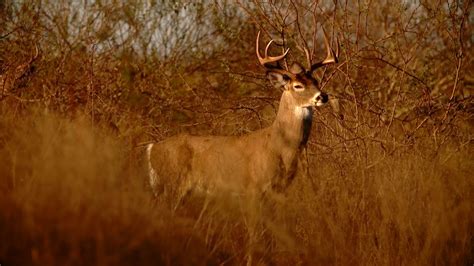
pixel 72 193
pixel 390 184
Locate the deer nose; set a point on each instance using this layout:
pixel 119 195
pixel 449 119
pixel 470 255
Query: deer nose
pixel 322 98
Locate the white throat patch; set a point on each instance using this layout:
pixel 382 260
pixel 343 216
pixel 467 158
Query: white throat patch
pixel 152 173
pixel 302 112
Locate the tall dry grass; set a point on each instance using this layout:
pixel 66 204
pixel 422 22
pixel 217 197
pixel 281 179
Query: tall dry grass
pixel 73 193
pixel 69 196
pixel 84 84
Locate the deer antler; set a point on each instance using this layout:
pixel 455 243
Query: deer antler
pixel 332 57
pixel 264 61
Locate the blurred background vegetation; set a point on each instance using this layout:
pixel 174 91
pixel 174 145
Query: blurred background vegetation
pixel 390 169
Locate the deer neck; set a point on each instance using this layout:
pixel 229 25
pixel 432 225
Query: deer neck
pixel 292 126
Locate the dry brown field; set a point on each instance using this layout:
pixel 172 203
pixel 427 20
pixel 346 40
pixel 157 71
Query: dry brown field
pixel 85 84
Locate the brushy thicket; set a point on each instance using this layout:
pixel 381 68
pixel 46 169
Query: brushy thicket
pixel 84 85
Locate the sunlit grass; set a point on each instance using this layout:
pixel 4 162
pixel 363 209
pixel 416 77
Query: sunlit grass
pixel 71 194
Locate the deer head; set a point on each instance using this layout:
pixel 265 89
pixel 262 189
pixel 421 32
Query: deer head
pixel 297 81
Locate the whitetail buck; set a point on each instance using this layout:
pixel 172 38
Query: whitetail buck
pixel 260 161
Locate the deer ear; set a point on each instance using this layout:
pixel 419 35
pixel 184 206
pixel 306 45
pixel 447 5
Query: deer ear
pixel 278 80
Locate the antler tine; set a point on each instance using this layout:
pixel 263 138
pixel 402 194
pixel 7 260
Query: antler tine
pixel 256 46
pixel 268 59
pixel 308 56
pixel 331 57
pixel 268 46
pixel 35 56
pixel 36 51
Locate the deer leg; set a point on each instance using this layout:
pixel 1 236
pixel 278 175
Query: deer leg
pixel 182 198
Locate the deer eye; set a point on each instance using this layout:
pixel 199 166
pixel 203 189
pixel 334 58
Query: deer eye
pixel 298 87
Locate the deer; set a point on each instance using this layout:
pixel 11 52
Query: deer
pixel 261 161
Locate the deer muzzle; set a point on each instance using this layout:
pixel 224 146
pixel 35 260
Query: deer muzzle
pixel 321 99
